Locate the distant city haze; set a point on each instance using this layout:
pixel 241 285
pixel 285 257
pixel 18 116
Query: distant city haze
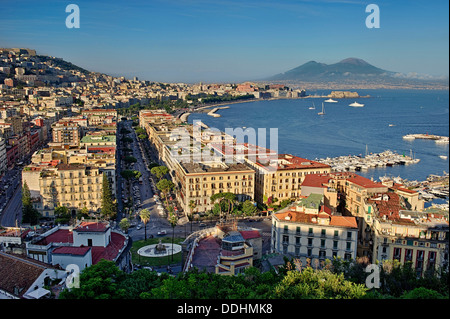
pixel 231 40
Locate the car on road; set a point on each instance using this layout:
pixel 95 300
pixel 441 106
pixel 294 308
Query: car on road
pixel 162 232
pixel 202 225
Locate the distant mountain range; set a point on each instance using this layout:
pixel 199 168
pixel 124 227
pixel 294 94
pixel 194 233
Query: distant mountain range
pixel 355 72
pixel 351 68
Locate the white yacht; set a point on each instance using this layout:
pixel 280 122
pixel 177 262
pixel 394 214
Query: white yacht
pixel 330 101
pixel 356 104
pixel 443 156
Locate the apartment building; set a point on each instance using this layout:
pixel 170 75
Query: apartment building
pixel 394 232
pixel 72 185
pixel 282 177
pixel 307 229
pixel 100 116
pixel 66 132
pixel 199 181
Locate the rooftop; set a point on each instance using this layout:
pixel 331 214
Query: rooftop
pixel 214 167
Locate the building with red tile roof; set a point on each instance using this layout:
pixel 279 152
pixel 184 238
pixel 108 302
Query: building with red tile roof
pixel 392 231
pixel 308 229
pixel 83 245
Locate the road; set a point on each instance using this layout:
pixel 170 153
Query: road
pixel 11 198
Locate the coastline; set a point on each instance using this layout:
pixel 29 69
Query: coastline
pixel 222 105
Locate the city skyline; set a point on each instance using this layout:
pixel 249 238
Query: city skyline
pixel 228 40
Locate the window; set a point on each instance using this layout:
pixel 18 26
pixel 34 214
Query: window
pixel 322 243
pixel 336 233
pixel 310 242
pixel 285 239
pixel 335 244
pixel 297 240
pixel 324 232
pixel 349 235
pixel 349 246
pixel 297 230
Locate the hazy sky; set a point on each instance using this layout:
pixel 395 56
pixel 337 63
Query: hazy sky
pixel 230 40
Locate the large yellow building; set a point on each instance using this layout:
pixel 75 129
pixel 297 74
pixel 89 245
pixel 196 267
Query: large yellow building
pixel 281 177
pixel 74 186
pixel 199 181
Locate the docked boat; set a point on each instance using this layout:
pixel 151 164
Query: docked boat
pixel 356 104
pixel 330 101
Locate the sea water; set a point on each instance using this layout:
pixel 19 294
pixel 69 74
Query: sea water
pixel 387 115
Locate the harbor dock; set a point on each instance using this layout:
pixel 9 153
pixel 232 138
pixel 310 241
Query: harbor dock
pixel 438 139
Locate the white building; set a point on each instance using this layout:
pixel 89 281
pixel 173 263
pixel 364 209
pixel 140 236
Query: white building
pixel 308 230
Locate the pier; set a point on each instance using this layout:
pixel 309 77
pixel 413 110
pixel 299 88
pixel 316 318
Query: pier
pixel 438 139
pixel 214 110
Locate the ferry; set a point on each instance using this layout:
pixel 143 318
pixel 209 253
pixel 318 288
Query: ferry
pixel 330 101
pixel 356 104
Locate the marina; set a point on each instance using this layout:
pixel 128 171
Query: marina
pixel 359 163
pixel 435 188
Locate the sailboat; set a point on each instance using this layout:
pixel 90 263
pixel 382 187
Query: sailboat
pixel 312 107
pixel 323 110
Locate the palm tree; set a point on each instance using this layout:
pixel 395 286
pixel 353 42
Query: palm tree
pixel 192 205
pixel 173 220
pixel 145 217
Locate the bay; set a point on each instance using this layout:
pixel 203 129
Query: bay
pixel 345 130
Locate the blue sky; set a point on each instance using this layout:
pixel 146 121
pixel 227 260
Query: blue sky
pixel 230 40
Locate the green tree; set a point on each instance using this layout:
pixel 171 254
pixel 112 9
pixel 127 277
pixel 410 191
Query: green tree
pixel 422 293
pixel 227 197
pixel 29 214
pixel 317 284
pixel 159 171
pixel 165 186
pixel 62 215
pixel 108 206
pixel 124 224
pixel 248 208
pixel 145 217
pixel 99 281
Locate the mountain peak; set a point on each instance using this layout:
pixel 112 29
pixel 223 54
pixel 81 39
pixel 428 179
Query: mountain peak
pixel 354 61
